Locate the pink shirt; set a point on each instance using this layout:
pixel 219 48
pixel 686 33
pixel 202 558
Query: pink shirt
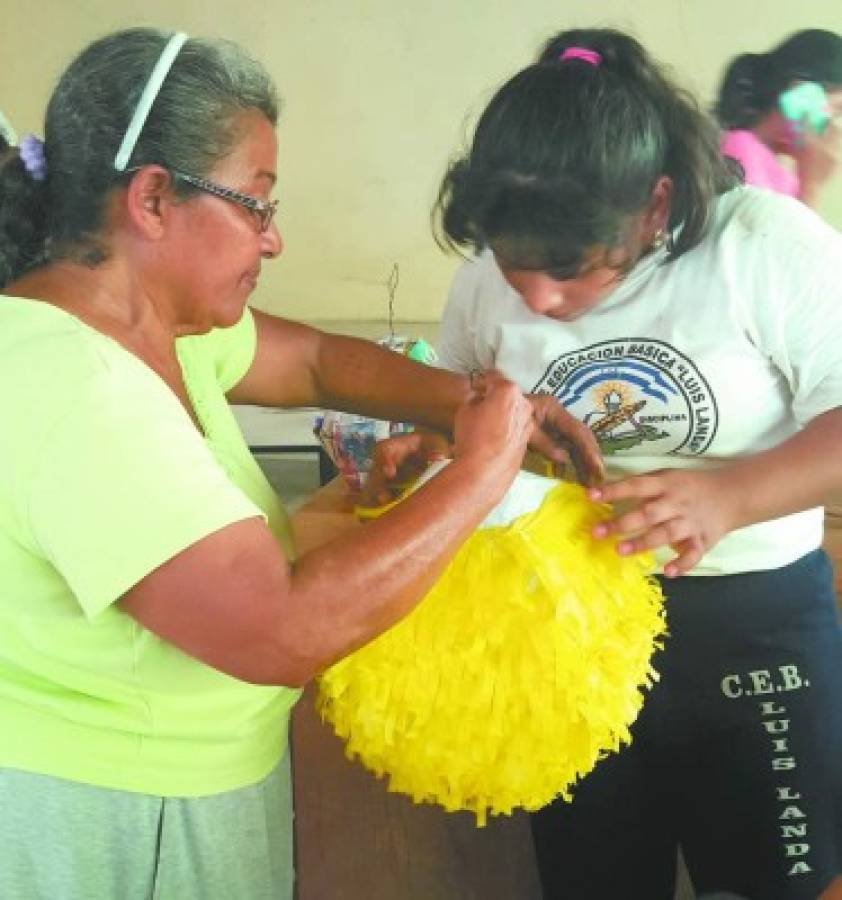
pixel 761 166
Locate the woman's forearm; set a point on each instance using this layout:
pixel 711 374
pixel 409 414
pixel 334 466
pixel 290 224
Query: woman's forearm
pixel 232 600
pixel 360 376
pixel 360 584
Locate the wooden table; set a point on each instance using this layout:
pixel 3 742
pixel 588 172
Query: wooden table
pixel 355 840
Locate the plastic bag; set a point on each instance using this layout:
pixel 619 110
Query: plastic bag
pixel 349 439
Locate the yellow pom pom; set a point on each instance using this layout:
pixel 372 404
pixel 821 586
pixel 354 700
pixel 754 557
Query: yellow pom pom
pixel 521 668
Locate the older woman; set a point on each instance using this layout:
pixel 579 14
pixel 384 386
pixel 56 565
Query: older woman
pixel 153 630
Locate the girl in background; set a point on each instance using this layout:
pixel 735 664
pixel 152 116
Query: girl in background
pixel 783 103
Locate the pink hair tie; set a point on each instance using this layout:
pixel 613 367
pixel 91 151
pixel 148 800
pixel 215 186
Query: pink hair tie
pixel 589 56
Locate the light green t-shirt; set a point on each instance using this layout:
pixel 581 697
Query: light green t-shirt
pixel 104 477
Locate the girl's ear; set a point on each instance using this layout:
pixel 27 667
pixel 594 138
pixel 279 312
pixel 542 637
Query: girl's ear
pixel 150 200
pixel 657 215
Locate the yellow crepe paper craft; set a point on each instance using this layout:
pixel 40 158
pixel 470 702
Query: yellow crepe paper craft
pixel 522 667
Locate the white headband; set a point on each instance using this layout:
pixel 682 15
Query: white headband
pixel 147 98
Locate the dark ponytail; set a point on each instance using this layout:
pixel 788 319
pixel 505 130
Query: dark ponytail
pixel 567 153
pixel 742 99
pixel 23 220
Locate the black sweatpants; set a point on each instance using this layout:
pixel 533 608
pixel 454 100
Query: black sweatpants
pixel 737 753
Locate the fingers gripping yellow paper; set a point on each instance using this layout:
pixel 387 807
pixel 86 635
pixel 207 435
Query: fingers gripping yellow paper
pixel 522 667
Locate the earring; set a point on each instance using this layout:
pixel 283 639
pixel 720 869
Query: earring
pixel 659 239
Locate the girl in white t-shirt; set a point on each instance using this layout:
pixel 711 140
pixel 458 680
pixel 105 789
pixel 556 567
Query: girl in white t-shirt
pixel 696 326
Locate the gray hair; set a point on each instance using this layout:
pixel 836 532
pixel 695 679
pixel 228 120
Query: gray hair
pixel 191 126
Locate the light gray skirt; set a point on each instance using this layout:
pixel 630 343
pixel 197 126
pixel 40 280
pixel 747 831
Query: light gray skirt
pixel 60 840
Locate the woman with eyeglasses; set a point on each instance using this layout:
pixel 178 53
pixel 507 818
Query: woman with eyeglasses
pixel 155 628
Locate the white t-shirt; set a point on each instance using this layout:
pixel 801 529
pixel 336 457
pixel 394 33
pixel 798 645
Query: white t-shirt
pixel 725 352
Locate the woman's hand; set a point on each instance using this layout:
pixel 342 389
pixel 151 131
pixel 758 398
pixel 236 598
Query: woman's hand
pixel 688 511
pixel 817 158
pixel 491 429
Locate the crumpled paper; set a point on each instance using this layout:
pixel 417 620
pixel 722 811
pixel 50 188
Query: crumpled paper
pixel 523 666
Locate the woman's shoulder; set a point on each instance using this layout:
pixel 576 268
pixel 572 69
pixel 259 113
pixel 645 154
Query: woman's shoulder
pixel 740 141
pixel 37 338
pixel 51 362
pixel 760 165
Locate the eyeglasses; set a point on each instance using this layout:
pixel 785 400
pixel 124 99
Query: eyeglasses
pixel 264 210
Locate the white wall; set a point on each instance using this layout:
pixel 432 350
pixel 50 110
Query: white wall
pixel 376 97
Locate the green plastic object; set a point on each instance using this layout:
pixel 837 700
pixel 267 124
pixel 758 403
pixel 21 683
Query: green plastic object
pixel 806 104
pixel 422 352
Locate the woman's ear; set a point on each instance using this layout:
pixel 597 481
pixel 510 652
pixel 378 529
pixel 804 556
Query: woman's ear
pixel 149 200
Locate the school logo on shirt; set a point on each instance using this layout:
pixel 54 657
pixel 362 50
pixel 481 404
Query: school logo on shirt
pixel 633 392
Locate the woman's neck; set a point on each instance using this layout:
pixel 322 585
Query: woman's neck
pixel 107 298
pixel 104 294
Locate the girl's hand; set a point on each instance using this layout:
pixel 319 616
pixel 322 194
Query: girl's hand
pixel 556 434
pixel 687 511
pixel 560 436
pixel 398 461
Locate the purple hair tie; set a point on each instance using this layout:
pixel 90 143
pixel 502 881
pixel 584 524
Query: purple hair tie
pixel 31 151
pixel 589 56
